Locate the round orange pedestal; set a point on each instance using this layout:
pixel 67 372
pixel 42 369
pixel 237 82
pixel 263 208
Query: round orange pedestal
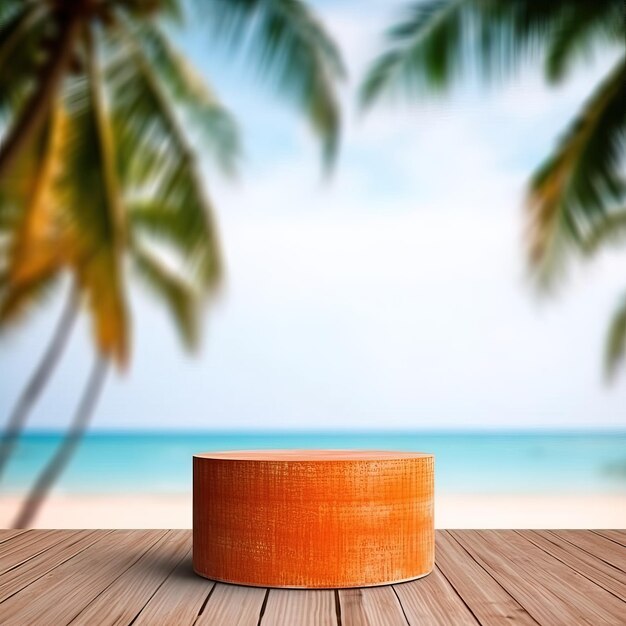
pixel 313 519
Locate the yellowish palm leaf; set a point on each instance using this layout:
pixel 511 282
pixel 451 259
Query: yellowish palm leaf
pixel 95 209
pixel 40 244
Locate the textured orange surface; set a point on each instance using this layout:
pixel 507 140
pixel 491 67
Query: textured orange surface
pixel 313 519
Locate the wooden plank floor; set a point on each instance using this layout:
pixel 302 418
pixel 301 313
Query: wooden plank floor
pixel 145 577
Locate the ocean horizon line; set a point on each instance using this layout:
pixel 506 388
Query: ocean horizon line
pixel 601 430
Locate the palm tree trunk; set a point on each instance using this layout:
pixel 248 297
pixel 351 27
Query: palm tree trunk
pixel 38 380
pixel 34 112
pixel 57 464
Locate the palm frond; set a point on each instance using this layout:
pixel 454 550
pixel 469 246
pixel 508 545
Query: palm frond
pixel 13 29
pixel 616 340
pixel 168 225
pixel 610 231
pixel 144 10
pixel 422 48
pixel 439 41
pixel 574 190
pixel 180 299
pixel 16 189
pixel 22 38
pixel 159 168
pixel 293 51
pixel 17 300
pixel 8 9
pixel 94 202
pixel 37 243
pixel 206 114
pixel 583 27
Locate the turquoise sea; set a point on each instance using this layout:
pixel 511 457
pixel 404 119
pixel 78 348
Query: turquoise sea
pixel 466 462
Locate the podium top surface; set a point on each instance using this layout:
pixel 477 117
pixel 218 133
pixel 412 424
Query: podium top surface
pixel 312 455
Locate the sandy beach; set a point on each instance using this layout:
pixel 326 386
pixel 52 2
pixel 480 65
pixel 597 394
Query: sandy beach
pixel 452 511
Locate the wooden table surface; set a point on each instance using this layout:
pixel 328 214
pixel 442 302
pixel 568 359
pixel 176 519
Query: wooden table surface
pixel 55 577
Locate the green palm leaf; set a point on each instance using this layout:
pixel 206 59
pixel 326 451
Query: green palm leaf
pixel 437 42
pixel 144 10
pixel 583 27
pixel 166 224
pixel 8 9
pixel 94 204
pixel 22 33
pixel 180 299
pixel 129 174
pixel 422 50
pixel 573 191
pixel 610 231
pixel 616 340
pixel 293 51
pixel 157 164
pixel 14 27
pixel 440 41
pixel 217 127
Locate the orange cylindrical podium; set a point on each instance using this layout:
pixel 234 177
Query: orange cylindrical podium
pixel 313 519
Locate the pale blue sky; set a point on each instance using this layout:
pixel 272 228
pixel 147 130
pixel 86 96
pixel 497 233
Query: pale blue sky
pixel 392 296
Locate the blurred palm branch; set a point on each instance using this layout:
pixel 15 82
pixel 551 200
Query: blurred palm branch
pixel 105 130
pixel 109 167
pixel 576 198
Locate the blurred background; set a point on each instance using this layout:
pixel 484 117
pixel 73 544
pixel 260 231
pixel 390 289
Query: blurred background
pixel 385 225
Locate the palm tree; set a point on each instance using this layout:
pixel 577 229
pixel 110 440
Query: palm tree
pixel 99 177
pixel 576 197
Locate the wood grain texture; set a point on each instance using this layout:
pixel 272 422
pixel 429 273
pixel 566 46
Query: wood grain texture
pixel 302 607
pixel 230 604
pixel 61 594
pixel 550 591
pixel 596 570
pixel 529 591
pixel 179 599
pixel 313 519
pixel 10 533
pixel 71 544
pixel 122 601
pixel 618 536
pixel 375 606
pixel 146 577
pixel 27 546
pixel 487 600
pixel 600 547
pixel 433 601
